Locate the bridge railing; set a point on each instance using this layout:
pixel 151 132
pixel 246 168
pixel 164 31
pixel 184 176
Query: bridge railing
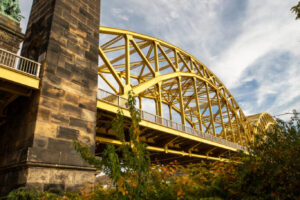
pixel 122 102
pixel 19 63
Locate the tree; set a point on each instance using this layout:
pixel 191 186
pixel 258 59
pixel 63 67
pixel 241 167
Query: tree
pixel 272 168
pixel 128 165
pixel 296 10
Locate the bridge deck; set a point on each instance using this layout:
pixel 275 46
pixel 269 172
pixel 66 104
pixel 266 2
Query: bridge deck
pixel 162 136
pixel 19 70
pixel 18 77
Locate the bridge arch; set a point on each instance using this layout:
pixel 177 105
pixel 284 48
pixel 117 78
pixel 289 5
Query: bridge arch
pixel 175 80
pixel 261 122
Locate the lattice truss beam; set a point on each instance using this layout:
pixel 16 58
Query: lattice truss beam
pixel 181 87
pixel 261 122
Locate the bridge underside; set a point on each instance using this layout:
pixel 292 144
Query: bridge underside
pixel 164 144
pixel 15 81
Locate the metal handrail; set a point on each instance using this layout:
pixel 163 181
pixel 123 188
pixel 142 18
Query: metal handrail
pixel 122 102
pixel 19 63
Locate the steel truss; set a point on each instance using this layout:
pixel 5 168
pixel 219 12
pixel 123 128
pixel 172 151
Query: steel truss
pixel 173 79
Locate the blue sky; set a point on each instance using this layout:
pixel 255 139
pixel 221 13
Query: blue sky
pixel 253 46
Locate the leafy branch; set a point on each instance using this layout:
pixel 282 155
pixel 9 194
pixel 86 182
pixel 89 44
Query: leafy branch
pixel 296 10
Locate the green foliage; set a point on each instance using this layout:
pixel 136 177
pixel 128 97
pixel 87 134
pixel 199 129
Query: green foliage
pixel 296 10
pixel 28 193
pixel 87 155
pixel 195 181
pixel 128 165
pixel 10 8
pixel 272 168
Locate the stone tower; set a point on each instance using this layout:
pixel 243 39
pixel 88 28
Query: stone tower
pixel 36 144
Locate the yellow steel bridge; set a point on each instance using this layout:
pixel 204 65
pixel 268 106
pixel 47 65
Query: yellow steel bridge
pixel 187 113
pixel 185 109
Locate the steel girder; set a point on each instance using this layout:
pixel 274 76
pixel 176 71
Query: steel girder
pixel 154 69
pixel 261 122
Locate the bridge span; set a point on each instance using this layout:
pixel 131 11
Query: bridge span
pixel 188 113
pixel 73 85
pixel 185 109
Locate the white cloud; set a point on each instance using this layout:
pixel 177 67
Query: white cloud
pixel 269 26
pixel 229 43
pixel 228 36
pixel 118 13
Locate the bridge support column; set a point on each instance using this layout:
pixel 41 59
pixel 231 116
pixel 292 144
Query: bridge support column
pixel 36 143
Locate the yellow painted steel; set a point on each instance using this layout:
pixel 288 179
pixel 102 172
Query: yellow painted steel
pixel 158 149
pixel 112 108
pixel 15 76
pixel 155 69
pixel 261 122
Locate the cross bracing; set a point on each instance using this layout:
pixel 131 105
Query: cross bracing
pixel 182 88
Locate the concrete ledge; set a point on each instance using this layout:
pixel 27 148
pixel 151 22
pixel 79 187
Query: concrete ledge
pixel 45 165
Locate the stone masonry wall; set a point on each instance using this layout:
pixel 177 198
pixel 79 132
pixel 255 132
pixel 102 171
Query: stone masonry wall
pixel 63 34
pixel 10 34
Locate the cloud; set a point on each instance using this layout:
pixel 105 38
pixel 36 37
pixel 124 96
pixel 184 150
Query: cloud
pixel 252 46
pixel 270 84
pixel 263 32
pixel 117 13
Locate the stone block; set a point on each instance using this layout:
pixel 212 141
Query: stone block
pixel 49 90
pixel 71 98
pixel 63 73
pixel 52 78
pixel 74 68
pixel 46 129
pixel 78 33
pixel 85 13
pixel 61 22
pixel 88 115
pixel 67 54
pixel 79 60
pixel 41 155
pixel 59 119
pixel 40 142
pixel 49 68
pixel 38 175
pixel 60 145
pixel 67 133
pixel 54 46
pixel 75 48
pixel 49 103
pixel 71 109
pixel 60 179
pixel 68 17
pixel 64 6
pixel 72 87
pixel 90 76
pixel 89 104
pixel 86 139
pixel 44 114
pixel 91 127
pixel 79 123
pixel 72 160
